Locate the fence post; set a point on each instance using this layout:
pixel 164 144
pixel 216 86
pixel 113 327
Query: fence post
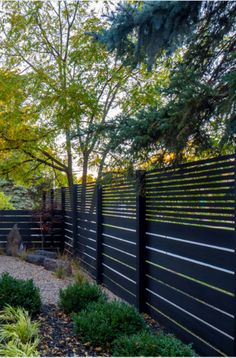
pixel 74 216
pixel 234 353
pixel 63 209
pixel 140 245
pixel 52 200
pixel 44 200
pixel 99 233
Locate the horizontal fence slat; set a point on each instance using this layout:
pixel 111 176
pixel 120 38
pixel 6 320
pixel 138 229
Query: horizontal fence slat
pixel 198 271
pixel 118 290
pixel 183 317
pixel 210 255
pixel 119 266
pixel 211 236
pixel 197 308
pixel 198 289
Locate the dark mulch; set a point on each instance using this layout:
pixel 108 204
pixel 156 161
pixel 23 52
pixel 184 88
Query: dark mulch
pixel 58 339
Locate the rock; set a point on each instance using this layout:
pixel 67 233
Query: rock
pixel 45 253
pixel 35 259
pixel 14 242
pixel 53 265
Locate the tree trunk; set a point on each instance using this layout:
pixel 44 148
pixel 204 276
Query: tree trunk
pixel 84 179
pixel 69 172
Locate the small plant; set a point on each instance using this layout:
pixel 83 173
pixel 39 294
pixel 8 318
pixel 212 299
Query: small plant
pixel 19 293
pixel 76 297
pixel 101 323
pixel 13 349
pixel 147 344
pixel 60 272
pixel 17 325
pixel 79 277
pixel 18 334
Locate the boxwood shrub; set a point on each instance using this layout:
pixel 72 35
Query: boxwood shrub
pixel 76 297
pixel 19 293
pixel 147 344
pixel 102 323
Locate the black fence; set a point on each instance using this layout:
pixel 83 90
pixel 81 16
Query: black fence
pixel 165 242
pixel 38 229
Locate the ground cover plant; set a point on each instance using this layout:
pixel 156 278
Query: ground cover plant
pixel 102 323
pixel 19 336
pixel 148 344
pixel 19 293
pixel 77 296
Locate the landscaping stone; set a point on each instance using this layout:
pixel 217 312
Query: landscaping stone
pixel 53 265
pixel 45 253
pixel 35 259
pixel 14 242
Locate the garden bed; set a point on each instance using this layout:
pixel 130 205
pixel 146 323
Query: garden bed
pixel 83 319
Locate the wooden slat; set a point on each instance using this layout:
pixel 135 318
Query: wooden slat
pixel 119 232
pixel 211 236
pixel 209 275
pixel 118 255
pixel 119 267
pixel 198 289
pixel 214 317
pixel 119 222
pixel 202 347
pixel 118 290
pixel 211 335
pixel 210 255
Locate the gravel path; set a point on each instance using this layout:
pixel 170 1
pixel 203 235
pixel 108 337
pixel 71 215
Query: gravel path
pixel 47 282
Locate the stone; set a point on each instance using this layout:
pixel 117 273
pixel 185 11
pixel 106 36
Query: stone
pixel 53 265
pixel 45 253
pixel 35 259
pixel 14 242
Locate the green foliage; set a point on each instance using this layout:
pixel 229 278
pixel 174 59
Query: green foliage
pixel 146 344
pixel 19 293
pixel 19 336
pixel 198 111
pixel 78 296
pixel 5 202
pixel 102 323
pixel 60 272
pixel 18 325
pixel 159 25
pixel 13 349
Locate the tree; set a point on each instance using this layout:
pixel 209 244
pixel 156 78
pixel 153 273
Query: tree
pixel 73 84
pixel 199 109
pixel 141 31
pixel 21 139
pixel 5 202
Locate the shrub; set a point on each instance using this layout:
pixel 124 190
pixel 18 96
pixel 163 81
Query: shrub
pixel 76 297
pixel 19 293
pixel 149 345
pixel 18 334
pixel 101 323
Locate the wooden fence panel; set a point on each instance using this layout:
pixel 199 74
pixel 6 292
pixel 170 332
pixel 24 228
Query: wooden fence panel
pixel 119 265
pixel 36 230
pixel 190 257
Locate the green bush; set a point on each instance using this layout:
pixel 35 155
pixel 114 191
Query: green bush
pixel 101 323
pixel 19 293
pixel 76 297
pixel 149 345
